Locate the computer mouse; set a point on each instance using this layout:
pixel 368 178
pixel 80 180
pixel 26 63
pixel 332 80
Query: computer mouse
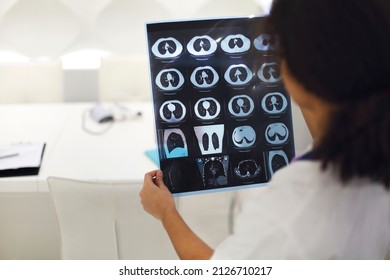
pixel 101 114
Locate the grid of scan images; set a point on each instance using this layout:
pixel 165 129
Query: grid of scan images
pixel 223 117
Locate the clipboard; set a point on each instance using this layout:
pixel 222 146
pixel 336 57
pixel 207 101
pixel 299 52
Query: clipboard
pixel 21 159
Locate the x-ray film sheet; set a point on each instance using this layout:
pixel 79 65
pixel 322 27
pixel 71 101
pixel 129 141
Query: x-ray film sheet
pixel 223 117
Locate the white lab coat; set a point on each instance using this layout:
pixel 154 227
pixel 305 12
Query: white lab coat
pixel 308 213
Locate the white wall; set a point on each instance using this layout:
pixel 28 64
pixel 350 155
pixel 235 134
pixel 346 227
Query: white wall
pixel 80 32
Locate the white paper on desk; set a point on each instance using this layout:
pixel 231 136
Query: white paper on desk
pixel 28 155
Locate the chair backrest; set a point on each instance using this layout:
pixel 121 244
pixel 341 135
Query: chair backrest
pixel 27 82
pixel 106 221
pixel 210 215
pixel 124 78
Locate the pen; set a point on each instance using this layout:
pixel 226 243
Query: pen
pixel 8 155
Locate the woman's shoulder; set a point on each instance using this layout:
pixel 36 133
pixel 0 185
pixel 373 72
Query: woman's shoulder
pixel 307 212
pixel 305 184
pixel 311 174
pixel 302 174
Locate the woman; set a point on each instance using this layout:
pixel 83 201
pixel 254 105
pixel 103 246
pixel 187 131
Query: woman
pixel 334 203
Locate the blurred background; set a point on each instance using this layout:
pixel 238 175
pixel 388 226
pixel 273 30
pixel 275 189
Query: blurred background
pixel 57 58
pixel 88 50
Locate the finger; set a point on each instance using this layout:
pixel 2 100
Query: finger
pixel 159 180
pixel 150 178
pixel 150 174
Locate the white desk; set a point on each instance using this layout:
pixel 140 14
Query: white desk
pixel 28 224
pixel 117 155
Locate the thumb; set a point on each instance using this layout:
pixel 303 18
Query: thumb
pixel 159 180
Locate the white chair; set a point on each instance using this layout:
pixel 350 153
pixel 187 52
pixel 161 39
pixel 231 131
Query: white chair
pixel 26 82
pixel 124 78
pixel 209 215
pixel 106 221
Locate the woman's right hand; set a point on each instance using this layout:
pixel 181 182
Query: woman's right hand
pixel 158 201
pixel 156 198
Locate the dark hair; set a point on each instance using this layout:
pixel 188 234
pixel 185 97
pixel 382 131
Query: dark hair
pixel 339 50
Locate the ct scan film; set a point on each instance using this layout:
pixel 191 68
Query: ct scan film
pixel 223 118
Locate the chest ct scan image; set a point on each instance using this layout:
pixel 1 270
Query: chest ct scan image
pixel 223 117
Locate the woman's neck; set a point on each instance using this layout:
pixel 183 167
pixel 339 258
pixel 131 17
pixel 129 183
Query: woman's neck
pixel 317 118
